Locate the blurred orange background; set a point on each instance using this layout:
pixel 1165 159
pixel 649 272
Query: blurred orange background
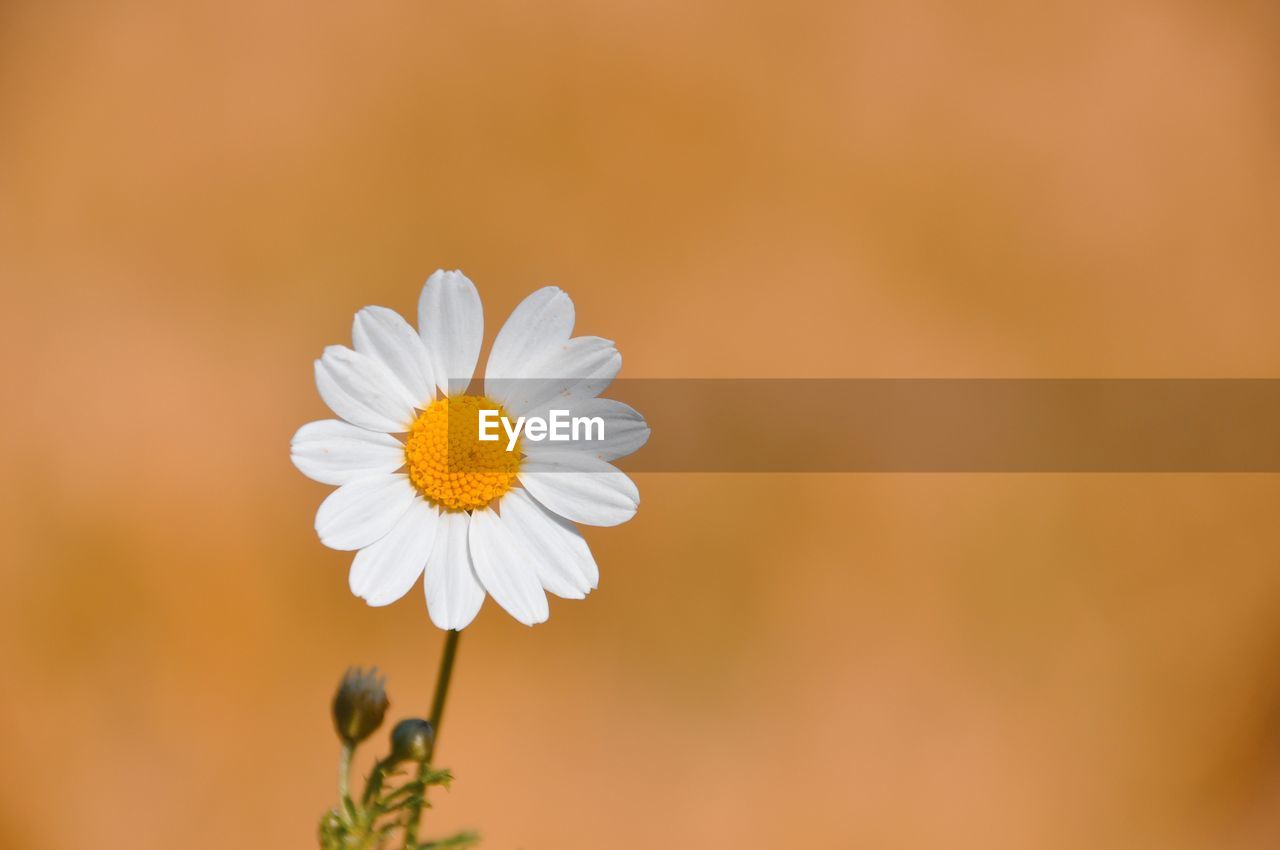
pixel 196 197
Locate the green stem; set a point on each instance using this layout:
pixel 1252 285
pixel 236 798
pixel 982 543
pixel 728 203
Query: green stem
pixel 374 786
pixel 437 717
pixel 442 687
pixel 344 780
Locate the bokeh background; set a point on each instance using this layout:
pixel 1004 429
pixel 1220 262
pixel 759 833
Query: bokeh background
pixel 195 198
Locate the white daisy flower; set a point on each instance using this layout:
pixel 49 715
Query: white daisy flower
pixel 417 491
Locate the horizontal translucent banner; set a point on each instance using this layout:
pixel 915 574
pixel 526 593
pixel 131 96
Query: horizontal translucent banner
pixel 916 425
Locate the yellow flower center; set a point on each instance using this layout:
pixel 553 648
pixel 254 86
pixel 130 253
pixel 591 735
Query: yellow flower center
pixel 449 464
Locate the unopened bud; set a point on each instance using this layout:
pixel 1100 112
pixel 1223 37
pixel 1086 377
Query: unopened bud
pixel 411 740
pixel 359 705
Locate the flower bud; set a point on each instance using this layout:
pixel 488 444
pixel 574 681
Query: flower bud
pixel 411 740
pixel 359 705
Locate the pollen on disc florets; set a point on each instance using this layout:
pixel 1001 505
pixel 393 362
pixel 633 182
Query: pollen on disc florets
pixel 448 463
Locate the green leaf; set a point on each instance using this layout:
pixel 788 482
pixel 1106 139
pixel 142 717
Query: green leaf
pixel 442 777
pixel 456 842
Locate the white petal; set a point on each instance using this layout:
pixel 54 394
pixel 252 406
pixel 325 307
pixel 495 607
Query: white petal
pixel 361 511
pixel 504 569
pixel 537 327
pixel 363 391
pixel 624 430
pixel 451 322
pixel 581 488
pixel 564 563
pixel 384 571
pixel 334 452
pixel 454 594
pixel 573 371
pixel 385 336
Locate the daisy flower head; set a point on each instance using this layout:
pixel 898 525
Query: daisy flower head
pixel 422 492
